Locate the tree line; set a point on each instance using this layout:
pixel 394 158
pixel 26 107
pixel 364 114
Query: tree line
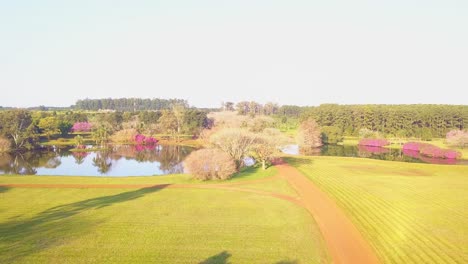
pixel 423 121
pixel 21 129
pixel 128 104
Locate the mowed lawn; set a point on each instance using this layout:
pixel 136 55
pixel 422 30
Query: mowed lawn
pixel 154 225
pixel 410 213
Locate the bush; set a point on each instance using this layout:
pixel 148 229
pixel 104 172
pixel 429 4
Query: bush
pixel 5 145
pixel 124 136
pixel 373 142
pixel 210 164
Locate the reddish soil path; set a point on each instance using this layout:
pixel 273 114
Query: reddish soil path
pixel 344 242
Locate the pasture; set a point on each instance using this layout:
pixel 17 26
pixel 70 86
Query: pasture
pixel 157 225
pixel 409 213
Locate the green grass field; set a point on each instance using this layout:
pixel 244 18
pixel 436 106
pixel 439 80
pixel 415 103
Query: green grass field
pixel 154 225
pixel 410 213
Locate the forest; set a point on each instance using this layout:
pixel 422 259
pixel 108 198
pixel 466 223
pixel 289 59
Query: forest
pixel 421 121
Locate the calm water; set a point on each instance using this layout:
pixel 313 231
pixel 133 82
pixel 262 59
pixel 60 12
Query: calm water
pixel 129 160
pixel 119 161
pixel 371 153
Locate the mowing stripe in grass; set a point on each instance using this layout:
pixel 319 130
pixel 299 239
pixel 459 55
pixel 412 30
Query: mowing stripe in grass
pixel 383 213
pixel 430 251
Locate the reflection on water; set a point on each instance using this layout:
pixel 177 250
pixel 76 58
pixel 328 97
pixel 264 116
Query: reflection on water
pixel 369 152
pixel 126 160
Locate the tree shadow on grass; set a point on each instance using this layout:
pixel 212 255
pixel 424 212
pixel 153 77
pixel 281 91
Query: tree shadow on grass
pixel 221 258
pixel 246 172
pixel 287 262
pixel 297 161
pixel 3 189
pixel 53 227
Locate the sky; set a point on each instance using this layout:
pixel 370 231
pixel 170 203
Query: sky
pixel 302 52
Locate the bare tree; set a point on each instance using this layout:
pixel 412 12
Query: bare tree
pixel 234 141
pixel 270 108
pixel 267 145
pixel 309 134
pixel 210 164
pixel 243 108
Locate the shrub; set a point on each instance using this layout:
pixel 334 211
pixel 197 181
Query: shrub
pixel 124 136
pixel 82 127
pixel 5 145
pixel 79 142
pixel 457 138
pixel 210 164
pixel 373 142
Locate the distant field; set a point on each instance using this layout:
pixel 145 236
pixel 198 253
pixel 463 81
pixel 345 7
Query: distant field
pixel 155 225
pixel 410 213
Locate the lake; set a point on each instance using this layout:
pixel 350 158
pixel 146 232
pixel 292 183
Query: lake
pixel 370 153
pixel 134 160
pixel 119 161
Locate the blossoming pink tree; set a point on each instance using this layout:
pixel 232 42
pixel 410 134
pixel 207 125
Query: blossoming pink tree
pixel 432 151
pixel 457 138
pixel 82 127
pixel 143 140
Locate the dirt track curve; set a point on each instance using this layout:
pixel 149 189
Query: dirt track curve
pixel 344 242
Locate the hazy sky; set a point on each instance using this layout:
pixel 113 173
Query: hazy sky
pixel 291 52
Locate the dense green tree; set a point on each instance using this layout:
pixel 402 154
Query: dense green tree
pixel 17 126
pixel 48 126
pixel 331 135
pixel 194 121
pixel 168 123
pixel 101 135
pixel 149 117
pixel 64 127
